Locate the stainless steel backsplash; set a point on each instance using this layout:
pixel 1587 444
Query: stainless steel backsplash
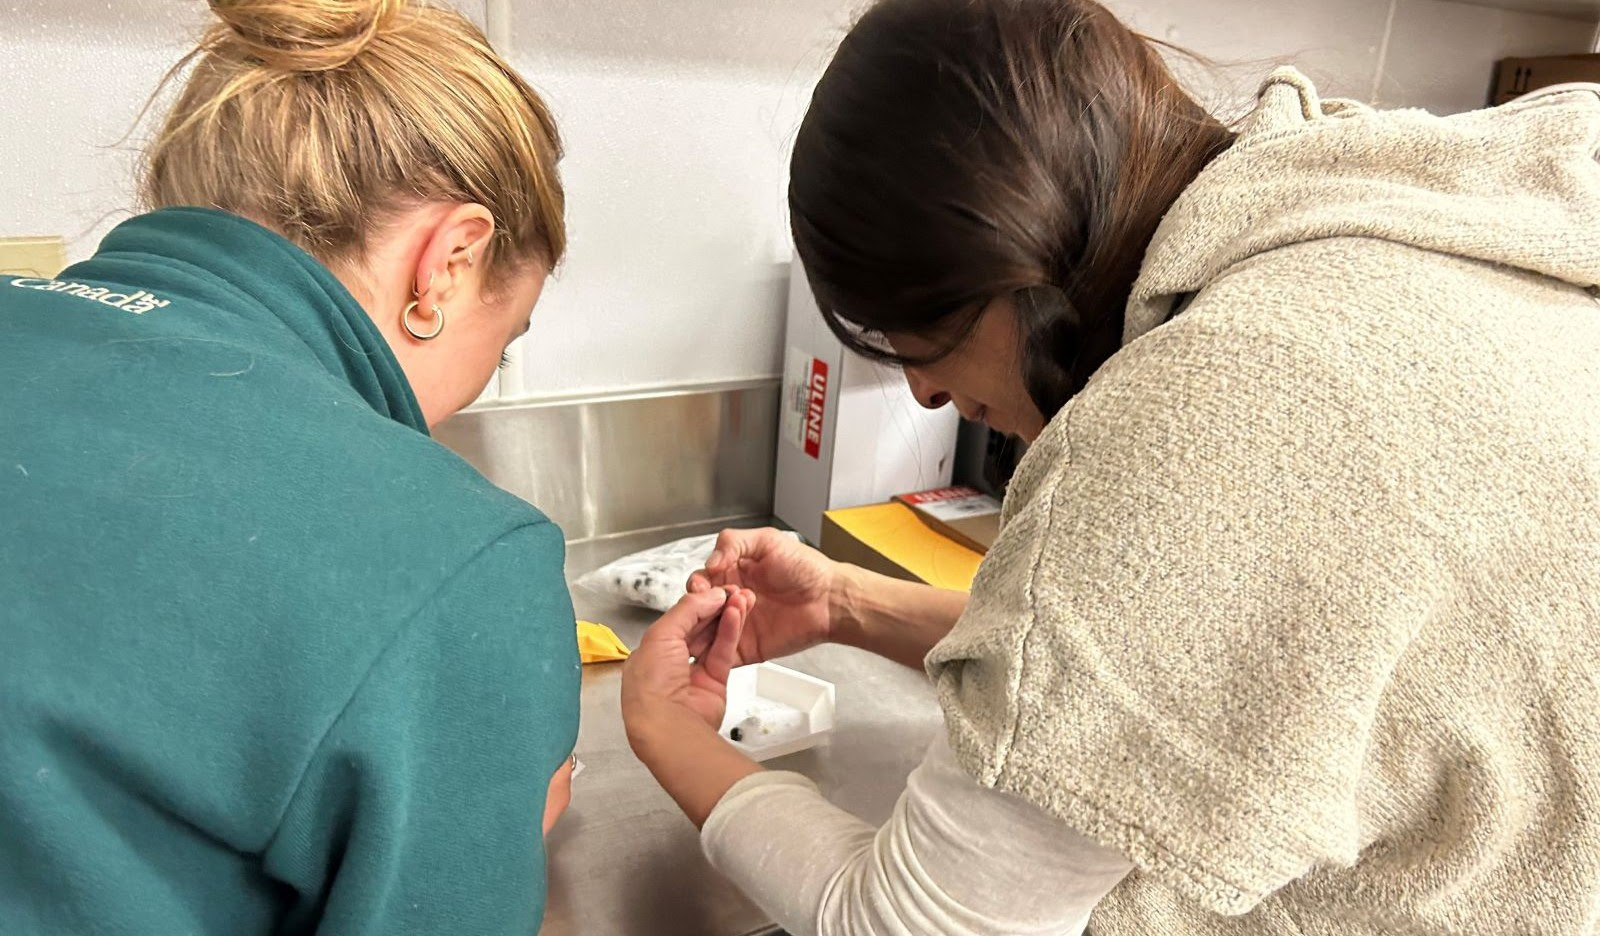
pixel 617 463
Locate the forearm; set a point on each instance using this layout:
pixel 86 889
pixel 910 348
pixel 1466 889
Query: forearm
pixel 895 619
pixel 954 858
pixel 690 761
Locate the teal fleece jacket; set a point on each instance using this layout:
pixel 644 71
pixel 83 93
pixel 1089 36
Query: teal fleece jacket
pixel 271 659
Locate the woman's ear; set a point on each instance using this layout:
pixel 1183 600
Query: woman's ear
pixel 453 258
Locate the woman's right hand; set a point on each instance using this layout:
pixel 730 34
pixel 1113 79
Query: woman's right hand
pixel 794 586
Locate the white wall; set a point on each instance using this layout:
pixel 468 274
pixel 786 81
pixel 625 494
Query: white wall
pixel 73 75
pixel 677 119
pixel 1437 51
pixel 678 116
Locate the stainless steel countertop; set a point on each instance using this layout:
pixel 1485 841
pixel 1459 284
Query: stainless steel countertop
pixel 625 861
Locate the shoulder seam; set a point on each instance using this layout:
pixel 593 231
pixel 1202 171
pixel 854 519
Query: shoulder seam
pixel 1176 862
pixel 1003 754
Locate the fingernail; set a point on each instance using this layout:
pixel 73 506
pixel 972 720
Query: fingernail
pixel 715 560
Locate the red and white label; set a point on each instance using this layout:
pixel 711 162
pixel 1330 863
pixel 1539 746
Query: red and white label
pixel 816 405
pixel 805 401
pixel 952 503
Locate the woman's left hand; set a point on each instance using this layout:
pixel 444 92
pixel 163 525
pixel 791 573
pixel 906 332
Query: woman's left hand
pixel 659 682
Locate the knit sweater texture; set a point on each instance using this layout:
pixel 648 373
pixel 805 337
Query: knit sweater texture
pixel 1296 604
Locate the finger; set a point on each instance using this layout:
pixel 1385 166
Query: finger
pixel 702 638
pixel 724 653
pixel 701 642
pixel 698 582
pixel 559 796
pixel 691 614
pixel 702 634
pixel 736 545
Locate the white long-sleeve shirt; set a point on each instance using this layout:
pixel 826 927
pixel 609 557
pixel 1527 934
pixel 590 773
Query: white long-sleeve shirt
pixel 954 858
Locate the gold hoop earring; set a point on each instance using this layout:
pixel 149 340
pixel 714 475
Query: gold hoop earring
pixel 405 322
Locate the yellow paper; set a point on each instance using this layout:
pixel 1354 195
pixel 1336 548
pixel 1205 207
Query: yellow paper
pixel 597 644
pixel 895 532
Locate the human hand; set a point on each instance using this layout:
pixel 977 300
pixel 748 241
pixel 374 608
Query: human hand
pixel 559 795
pixel 795 584
pixel 660 681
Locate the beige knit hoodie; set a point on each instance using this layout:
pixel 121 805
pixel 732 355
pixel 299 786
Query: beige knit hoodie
pixel 1297 604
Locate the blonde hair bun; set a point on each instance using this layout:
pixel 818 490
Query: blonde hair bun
pixel 305 35
pixel 325 119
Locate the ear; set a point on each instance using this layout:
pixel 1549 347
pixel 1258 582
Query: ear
pixel 454 254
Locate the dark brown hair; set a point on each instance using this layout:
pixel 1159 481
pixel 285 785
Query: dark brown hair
pixel 957 151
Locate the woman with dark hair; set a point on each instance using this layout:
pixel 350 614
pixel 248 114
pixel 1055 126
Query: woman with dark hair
pixel 1284 629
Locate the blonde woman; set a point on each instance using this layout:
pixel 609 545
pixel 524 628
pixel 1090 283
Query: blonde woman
pixel 274 661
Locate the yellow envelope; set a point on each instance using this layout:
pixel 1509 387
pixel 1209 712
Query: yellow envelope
pixel 597 643
pixel 892 532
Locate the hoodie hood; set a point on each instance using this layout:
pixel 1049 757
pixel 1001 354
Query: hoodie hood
pixel 1517 185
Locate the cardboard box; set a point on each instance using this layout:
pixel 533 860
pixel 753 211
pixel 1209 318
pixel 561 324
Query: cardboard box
pixel 42 257
pixel 966 515
pixel 890 539
pixel 1515 77
pixel 850 432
